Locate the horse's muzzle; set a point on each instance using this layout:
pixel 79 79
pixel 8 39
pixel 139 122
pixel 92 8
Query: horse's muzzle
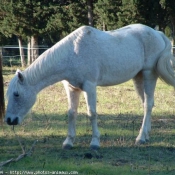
pixel 12 122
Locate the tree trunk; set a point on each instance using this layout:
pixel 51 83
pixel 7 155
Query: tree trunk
pixel 21 51
pixel 172 38
pixel 90 12
pixel 2 101
pixel 104 26
pixel 34 48
pixel 29 58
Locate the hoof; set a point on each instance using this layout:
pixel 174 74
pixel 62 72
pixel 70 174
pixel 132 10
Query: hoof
pixel 94 147
pixel 147 140
pixel 67 147
pixel 87 156
pixel 140 142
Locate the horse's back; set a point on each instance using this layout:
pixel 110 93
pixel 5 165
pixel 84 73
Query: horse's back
pixel 133 37
pixel 112 57
pixel 132 43
pixel 105 58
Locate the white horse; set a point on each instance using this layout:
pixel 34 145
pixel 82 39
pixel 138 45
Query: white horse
pixel 87 58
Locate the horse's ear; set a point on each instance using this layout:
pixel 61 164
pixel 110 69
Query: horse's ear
pixel 20 75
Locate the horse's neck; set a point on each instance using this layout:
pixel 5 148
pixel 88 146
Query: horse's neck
pixel 49 79
pixel 47 70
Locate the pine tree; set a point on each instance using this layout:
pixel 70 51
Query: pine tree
pixel 29 19
pixel 40 14
pixel 169 8
pixel 12 22
pixel 127 14
pixel 151 13
pixel 77 13
pixel 107 13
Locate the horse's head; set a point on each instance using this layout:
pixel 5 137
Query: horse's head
pixel 21 98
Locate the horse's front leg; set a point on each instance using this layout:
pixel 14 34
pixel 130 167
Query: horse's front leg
pixel 149 79
pixel 90 97
pixel 73 101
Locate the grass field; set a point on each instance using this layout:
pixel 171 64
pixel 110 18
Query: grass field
pixel 120 116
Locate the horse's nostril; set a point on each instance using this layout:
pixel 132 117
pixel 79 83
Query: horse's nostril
pixel 9 121
pixel 15 121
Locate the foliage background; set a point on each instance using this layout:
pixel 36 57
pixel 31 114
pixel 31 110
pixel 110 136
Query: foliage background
pixel 52 20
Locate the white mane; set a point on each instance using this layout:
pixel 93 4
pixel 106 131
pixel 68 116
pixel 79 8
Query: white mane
pixel 42 65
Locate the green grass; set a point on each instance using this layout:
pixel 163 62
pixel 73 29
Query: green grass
pixel 120 116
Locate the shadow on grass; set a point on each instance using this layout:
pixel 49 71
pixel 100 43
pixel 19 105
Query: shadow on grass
pixel 118 150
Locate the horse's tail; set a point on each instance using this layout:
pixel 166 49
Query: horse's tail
pixel 2 102
pixel 166 63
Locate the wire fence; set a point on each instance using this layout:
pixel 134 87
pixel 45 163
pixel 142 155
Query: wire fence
pixel 11 56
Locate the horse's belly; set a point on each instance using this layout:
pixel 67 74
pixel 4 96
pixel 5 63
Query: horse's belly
pixel 113 81
pixel 114 77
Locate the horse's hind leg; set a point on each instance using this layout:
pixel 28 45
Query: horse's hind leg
pixel 73 101
pixel 139 86
pixel 149 81
pixel 90 97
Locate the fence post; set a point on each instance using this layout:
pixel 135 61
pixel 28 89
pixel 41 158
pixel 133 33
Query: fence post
pixel 2 101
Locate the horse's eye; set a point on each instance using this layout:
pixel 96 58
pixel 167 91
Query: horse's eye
pixel 16 94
